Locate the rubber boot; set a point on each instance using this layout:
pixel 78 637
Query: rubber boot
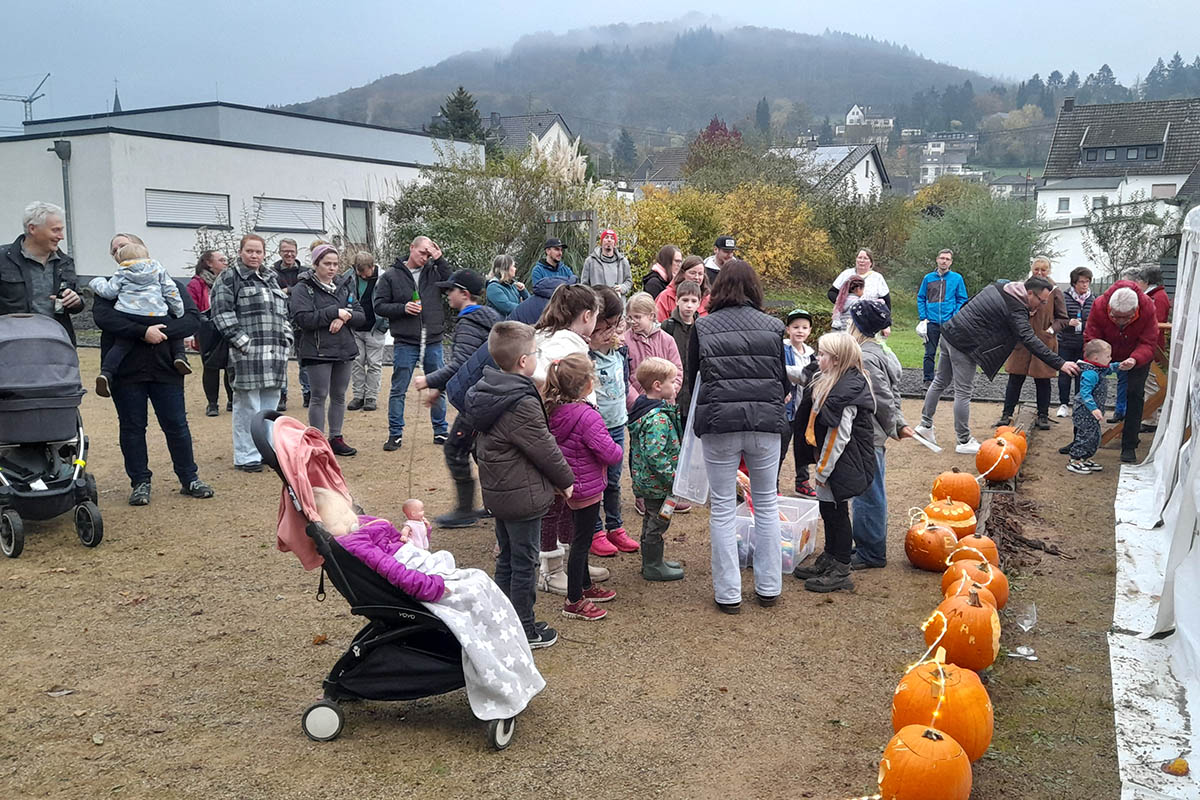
pixel 835 579
pixel 553 577
pixel 463 515
pixel 653 566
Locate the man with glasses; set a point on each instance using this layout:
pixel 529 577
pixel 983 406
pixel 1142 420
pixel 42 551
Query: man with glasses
pixel 407 295
pixel 984 333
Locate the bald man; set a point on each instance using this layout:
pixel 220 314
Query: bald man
pixel 408 297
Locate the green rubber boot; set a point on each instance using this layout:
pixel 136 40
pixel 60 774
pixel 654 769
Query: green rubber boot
pixel 653 566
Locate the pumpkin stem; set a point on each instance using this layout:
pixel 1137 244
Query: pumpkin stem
pixel 932 735
pixel 973 599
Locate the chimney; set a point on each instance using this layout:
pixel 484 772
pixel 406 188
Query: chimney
pixel 495 119
pixel 1068 105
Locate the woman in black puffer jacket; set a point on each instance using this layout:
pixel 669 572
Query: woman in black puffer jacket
pixel 324 316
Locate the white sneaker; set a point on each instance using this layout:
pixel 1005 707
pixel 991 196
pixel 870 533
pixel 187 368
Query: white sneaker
pixel 1063 411
pixel 598 574
pixel 969 447
pixel 925 433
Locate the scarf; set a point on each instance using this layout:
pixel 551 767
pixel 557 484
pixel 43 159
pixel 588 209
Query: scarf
pixel 208 276
pixel 1079 298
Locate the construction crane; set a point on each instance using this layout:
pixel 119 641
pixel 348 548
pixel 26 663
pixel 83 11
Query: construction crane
pixel 28 99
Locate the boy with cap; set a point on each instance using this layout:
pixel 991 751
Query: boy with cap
pixel 472 325
pixel 551 264
pixel 723 249
pixel 608 266
pixel 801 362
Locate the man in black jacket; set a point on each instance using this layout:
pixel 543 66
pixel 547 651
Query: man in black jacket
pixel 35 276
pixel 984 333
pixel 407 295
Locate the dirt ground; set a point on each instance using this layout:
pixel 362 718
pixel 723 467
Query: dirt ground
pixel 187 642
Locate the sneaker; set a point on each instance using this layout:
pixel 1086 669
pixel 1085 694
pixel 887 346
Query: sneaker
pixel 1115 418
pixel 393 443
pixel 229 405
pixel 805 489
pixel 682 507
pixel 969 447
pixel 819 566
pixel 1149 428
pixel 602 547
pixel 440 439
pixel 620 540
pixel 182 366
pixel 1079 468
pixel 212 410
pixel 371 405
pixel 1043 422
pixel 1065 450
pixel 140 496
pixel 197 488
pixel 253 466
pixel 1128 456
pixel 765 601
pixel 1005 419
pixel 598 595
pixel 102 387
pixel 857 563
pixel 355 404
pixel 639 505
pixel 1063 411
pixel 583 609
pixel 926 432
pixel 340 448
pixel 1093 466
pixel 728 608
pixel 544 637
pixel 281 406
pixel 598 574
pixel 307 398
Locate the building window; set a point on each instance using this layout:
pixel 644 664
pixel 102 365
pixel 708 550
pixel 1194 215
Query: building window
pixel 358 221
pixel 1110 154
pixel 1099 203
pixel 1131 154
pixel 1151 152
pixel 289 216
pixel 1064 205
pixel 1091 155
pixel 1162 191
pixel 168 209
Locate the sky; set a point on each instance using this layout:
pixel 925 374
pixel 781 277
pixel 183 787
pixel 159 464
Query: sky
pixel 285 51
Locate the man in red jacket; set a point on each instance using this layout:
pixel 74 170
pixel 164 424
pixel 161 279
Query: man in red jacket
pixel 1124 317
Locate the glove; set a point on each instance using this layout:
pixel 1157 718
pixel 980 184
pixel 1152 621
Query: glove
pixel 922 330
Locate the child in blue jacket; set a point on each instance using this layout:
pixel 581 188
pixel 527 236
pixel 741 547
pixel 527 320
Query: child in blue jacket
pixel 1093 391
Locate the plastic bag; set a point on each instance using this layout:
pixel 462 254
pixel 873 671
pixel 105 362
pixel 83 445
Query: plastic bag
pixel 691 477
pixel 923 330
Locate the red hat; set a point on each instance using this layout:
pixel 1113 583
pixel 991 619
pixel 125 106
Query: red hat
pixel 609 232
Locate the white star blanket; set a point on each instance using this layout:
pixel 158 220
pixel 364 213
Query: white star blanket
pixel 497 662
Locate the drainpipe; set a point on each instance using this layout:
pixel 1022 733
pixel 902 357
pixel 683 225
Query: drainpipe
pixel 62 149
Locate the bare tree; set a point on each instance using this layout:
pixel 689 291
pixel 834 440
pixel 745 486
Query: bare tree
pixel 1122 235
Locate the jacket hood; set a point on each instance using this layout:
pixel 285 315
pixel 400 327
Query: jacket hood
pixel 643 406
pixel 142 271
pixel 546 286
pixel 598 254
pixel 1122 284
pixel 481 315
pixel 659 270
pixel 852 390
pixel 675 316
pixel 494 394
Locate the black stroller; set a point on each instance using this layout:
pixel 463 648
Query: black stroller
pixel 43 450
pixel 403 652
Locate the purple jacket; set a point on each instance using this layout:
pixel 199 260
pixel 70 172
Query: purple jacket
pixel 657 343
pixel 585 443
pixel 375 544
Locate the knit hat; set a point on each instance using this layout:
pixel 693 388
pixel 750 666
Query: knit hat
pixel 609 232
pixel 320 250
pixel 871 316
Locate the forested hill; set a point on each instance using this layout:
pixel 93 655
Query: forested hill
pixel 670 76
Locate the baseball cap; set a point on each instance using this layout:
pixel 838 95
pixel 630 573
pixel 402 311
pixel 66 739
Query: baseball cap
pixel 467 279
pixel 553 242
pixel 798 313
pixel 725 243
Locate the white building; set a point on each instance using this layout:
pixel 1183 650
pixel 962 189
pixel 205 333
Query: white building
pixel 165 173
pixel 1104 155
pixel 548 130
pixel 855 170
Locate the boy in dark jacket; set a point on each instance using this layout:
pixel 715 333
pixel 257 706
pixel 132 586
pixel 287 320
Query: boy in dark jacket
pixel 472 326
pixel 520 466
pixel 654 432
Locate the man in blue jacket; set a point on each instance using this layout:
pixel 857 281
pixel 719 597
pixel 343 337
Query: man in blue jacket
pixel 941 295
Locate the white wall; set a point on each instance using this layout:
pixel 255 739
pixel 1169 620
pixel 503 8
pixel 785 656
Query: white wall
pixel 864 181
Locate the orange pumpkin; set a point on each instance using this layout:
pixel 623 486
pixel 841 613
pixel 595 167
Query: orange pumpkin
pixel 1017 440
pixel 997 460
pixel 948 697
pixel 928 545
pixel 922 762
pixel 956 485
pixel 964 585
pixel 974 546
pixel 972 632
pixel 1010 429
pixel 953 514
pixel 980 572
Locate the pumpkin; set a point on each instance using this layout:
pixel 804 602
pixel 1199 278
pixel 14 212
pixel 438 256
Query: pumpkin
pixel 956 485
pixel 928 545
pixel 1009 429
pixel 964 585
pixel 953 514
pixel 997 460
pixel 975 546
pixel 922 762
pixel 980 572
pixel 948 697
pixel 1016 439
pixel 970 634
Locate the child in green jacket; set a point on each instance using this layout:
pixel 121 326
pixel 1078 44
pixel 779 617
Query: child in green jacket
pixel 653 457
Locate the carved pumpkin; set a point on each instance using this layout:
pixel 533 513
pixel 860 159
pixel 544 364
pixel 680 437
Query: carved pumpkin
pixel 980 572
pixel 947 697
pixel 953 514
pixel 928 545
pixel 956 485
pixel 974 546
pixel 1016 439
pixel 997 460
pixel 922 762
pixel 964 585
pixel 972 632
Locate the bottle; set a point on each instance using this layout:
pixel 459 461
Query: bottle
pixel 416 298
pixel 668 508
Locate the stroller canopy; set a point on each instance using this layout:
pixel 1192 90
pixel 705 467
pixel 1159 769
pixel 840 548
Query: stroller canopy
pixel 37 359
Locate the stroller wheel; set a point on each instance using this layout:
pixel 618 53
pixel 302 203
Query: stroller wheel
pixel 322 722
pixel 89 526
pixel 92 493
pixel 500 732
pixel 12 533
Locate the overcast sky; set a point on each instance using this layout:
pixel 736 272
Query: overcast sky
pixel 282 51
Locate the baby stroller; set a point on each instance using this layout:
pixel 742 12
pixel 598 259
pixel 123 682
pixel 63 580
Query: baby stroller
pixel 402 653
pixel 43 450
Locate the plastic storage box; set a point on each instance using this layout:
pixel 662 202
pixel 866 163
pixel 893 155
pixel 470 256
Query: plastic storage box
pixel 797 531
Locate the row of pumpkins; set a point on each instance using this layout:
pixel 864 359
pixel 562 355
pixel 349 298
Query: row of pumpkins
pixel 941 712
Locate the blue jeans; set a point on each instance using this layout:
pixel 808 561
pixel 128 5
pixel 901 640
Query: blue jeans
pixel 516 566
pixel 404 361
pixel 247 403
pixel 167 399
pixel 612 492
pixel 870 518
pixel 1122 391
pixel 933 334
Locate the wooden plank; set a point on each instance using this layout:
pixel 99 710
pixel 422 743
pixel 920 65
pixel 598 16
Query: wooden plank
pixel 1154 402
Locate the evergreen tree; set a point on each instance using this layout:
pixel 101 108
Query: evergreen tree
pixel 826 134
pixel 459 118
pixel 1155 85
pixel 1177 77
pixel 625 153
pixel 1072 83
pixel 1054 80
pixel 762 117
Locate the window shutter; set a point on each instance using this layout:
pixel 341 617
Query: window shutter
pixel 289 216
pixel 186 209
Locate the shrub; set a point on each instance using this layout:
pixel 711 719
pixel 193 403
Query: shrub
pixel 777 235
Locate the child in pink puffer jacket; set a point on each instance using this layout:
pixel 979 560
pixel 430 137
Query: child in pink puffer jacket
pixel 646 338
pixel 589 450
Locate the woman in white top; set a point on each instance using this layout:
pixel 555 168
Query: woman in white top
pixel 875 287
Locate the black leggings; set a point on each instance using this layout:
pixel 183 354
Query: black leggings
pixel 1012 394
pixel 578 578
pixel 212 385
pixel 839 536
